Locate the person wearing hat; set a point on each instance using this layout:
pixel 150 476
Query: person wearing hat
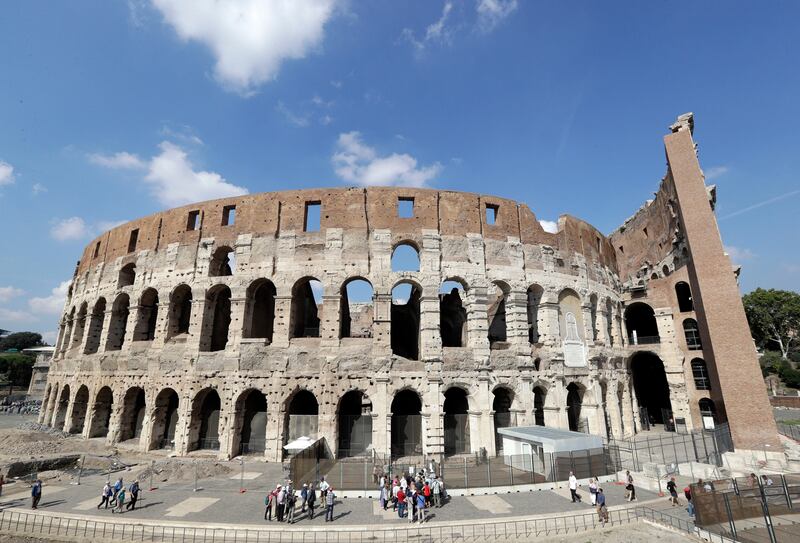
pixel 303 497
pixel 271 501
pixel 281 502
pixel 133 490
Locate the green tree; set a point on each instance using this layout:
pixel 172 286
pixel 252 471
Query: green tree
pixel 774 317
pixel 20 341
pixel 17 368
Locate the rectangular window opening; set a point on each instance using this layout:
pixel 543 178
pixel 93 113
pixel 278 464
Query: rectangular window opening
pixel 133 240
pixel 228 215
pixel 597 239
pixel 193 222
pixel 311 221
pixel 96 250
pixel 645 231
pixel 621 250
pixel 405 208
pixel 491 213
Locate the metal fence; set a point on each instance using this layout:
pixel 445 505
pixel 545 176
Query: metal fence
pixel 36 524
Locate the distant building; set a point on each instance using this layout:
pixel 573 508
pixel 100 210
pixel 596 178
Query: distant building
pixel 40 369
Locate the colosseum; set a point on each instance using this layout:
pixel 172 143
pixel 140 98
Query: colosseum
pixel 406 322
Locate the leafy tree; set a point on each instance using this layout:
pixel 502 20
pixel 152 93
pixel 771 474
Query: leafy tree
pixel 774 317
pixel 771 362
pixel 17 368
pixel 20 341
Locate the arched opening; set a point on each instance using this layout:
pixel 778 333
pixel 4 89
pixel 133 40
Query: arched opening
pixel 354 424
pixel 406 424
pixel 61 408
pixel 180 311
pixel 355 309
pixel 700 374
pixel 405 320
pixel 452 314
pixel 496 298
pixel 652 389
pixel 260 310
pixel 302 414
pixel 79 326
pixel 251 420
pixel 574 402
pixel 118 324
pixel 708 409
pixel 222 262
pixel 456 421
pixel 217 319
pixel 133 413
pixel 405 257
pixel 503 417
pixel 95 327
pixel 593 315
pixel 692 333
pixel 79 408
pixel 684 295
pixel 127 275
pixel 147 316
pixel 165 420
pixel 306 299
pixel 539 396
pixel 640 320
pixel 101 413
pixel 534 295
pixel 204 428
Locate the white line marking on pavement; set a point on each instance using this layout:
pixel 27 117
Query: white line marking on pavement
pixel 190 505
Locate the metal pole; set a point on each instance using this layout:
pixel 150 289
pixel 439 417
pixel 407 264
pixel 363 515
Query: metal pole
pixel 80 468
pixel 730 515
pixel 152 469
pixel 466 485
pixel 786 492
pixel 241 476
pixel 194 463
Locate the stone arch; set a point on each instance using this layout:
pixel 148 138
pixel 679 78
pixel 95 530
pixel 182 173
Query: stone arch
pixel 691 331
pixel 406 421
pixel 119 322
pixel 405 257
pixel 45 407
pixel 216 319
pixel 165 419
pixel 304 320
pixel 69 322
pixel 496 298
pixel 180 311
pixel 684 295
pixel 575 394
pixel 504 417
pixel 222 262
pixel 534 296
pixel 95 327
pixel 539 402
pixel 127 275
pixel 146 316
pixel 61 407
pixel 260 310
pixel 250 422
pixel 134 410
pixel 101 412
pixel 356 312
pixel 79 325
pixel 651 387
pixel 79 408
pixel 405 319
pixel 354 424
pixel 204 421
pixel 640 320
pixel 455 411
pixel 301 415
pixel 453 313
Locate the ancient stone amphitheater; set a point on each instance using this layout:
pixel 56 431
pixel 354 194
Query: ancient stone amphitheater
pixel 404 321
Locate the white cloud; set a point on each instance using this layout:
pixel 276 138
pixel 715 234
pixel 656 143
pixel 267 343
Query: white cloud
pixel 336 84
pixel 549 226
pixel 356 162
pixel 435 32
pixel 14 316
pixel 6 293
pixel 184 133
pixel 716 171
pixel 739 254
pixel 249 38
pixel 493 12
pixel 6 173
pixel 38 189
pixel 53 304
pixel 118 161
pixel 325 120
pixel 50 337
pixel 295 119
pixel 70 229
pixel 174 181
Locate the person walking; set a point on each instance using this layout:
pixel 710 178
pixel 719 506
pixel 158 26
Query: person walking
pixel 281 502
pixel 105 495
pixel 602 510
pixel 303 497
pixel 437 492
pixel 311 501
pixel 330 497
pixel 384 496
pixel 120 501
pixel 421 505
pixel 291 500
pixel 573 488
pixel 119 485
pixel 411 503
pixel 133 490
pixel 630 490
pixel 36 493
pixel 673 492
pixel 593 492
pixel 401 502
pixel 268 505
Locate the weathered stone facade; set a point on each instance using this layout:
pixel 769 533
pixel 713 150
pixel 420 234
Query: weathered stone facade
pixel 161 343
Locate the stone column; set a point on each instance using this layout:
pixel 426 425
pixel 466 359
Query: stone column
pixel 146 437
pixel 274 438
pixel 588 334
pixel 602 327
pixel 104 332
pixel 117 407
pixel 227 429
pixel 628 413
pixel 283 310
pixel 182 426
pixel 483 404
pixel 524 401
pixel 549 332
pixel 430 337
pixel 134 314
pixel 329 327
pixel 477 322
pixel 614 415
pixel 517 320
pixel 380 415
pixel 238 306
pixel 435 423
pixel 382 325
pixel 162 324
pixel 70 409
pixel 195 335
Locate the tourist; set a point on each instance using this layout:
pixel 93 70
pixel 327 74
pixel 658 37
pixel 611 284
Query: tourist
pixel 330 497
pixel 602 510
pixel 281 502
pixel 421 505
pixel 105 495
pixel 36 493
pixel 573 488
pixel 134 492
pixel 426 492
pixel 593 492
pixel 766 481
pixel 303 497
pixel 630 493
pixel 323 487
pixel 401 501
pixel 120 501
pixel 377 472
pixel 291 500
pixel 384 496
pixel 687 492
pixel 311 501
pixel 268 505
pixel 673 492
pixel 752 480
pixel 119 485
pixel 437 492
pixel 411 503
pixel 395 490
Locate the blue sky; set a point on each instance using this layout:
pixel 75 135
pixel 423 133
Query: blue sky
pixel 111 110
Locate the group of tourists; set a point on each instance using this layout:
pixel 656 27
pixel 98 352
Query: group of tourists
pixel 411 496
pixel 281 503
pixel 596 496
pixel 116 495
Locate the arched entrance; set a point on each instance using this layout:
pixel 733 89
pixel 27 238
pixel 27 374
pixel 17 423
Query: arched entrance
pixel 165 420
pixel 652 390
pixel 61 409
pixel 456 421
pixel 302 415
pixel 204 429
pixel 640 320
pixel 406 424
pixel 574 403
pixel 354 424
pixel 251 415
pixel 133 413
pixel 101 413
pixel 79 407
pixel 503 417
pixel 539 395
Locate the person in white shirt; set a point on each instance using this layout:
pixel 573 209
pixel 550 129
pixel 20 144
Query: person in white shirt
pixel 573 488
pixel 593 491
